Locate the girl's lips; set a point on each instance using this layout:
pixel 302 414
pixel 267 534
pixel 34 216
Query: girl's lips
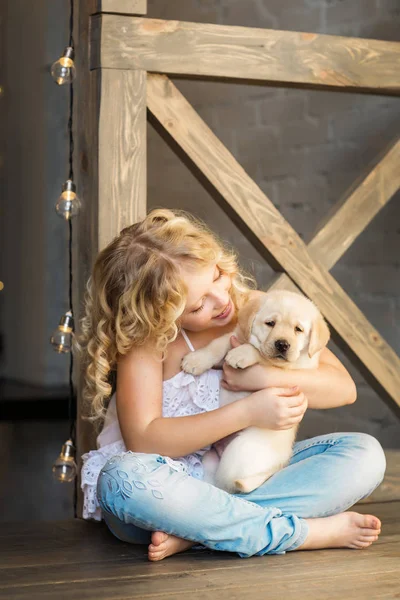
pixel 226 312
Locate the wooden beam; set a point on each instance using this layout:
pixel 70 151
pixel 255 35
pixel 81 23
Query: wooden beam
pixel 177 47
pixel 342 226
pixel 351 215
pixel 110 172
pixel 128 7
pixel 122 152
pixel 279 242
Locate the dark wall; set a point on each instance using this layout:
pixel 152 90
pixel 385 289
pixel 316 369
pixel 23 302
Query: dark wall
pixel 33 242
pixel 33 259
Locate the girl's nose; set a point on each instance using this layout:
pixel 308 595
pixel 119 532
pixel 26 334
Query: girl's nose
pixel 221 296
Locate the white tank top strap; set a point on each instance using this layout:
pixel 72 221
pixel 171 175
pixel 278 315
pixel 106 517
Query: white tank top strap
pixel 186 338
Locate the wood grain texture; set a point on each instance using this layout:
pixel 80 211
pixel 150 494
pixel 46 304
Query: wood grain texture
pixel 345 223
pixel 122 152
pixel 128 7
pixel 351 215
pixel 243 52
pixel 110 172
pixel 77 559
pixel 280 244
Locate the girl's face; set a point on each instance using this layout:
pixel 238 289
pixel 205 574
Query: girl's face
pixel 208 302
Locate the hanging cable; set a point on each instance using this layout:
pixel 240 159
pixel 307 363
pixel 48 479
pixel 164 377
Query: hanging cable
pixel 68 205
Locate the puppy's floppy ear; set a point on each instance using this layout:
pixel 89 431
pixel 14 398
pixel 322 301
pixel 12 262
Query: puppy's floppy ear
pixel 247 313
pixel 319 336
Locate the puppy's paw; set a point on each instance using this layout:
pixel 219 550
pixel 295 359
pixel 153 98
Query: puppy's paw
pixel 197 362
pixel 240 357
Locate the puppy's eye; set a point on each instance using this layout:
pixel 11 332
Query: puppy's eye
pixel 298 330
pixel 270 323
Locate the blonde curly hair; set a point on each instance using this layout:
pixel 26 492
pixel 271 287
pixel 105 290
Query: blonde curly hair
pixel 136 295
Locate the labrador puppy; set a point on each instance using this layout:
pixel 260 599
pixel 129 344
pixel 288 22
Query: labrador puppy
pixel 278 328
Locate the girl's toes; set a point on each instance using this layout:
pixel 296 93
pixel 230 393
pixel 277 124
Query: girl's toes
pixel 160 548
pixel 360 544
pixel 158 537
pixel 364 531
pixel 372 522
pixel 369 538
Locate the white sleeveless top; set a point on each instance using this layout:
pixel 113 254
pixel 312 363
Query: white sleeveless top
pixel 183 395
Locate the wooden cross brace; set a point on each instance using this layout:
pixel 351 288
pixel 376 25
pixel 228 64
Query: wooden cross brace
pixel 306 267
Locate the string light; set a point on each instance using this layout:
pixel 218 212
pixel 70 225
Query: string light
pixel 63 70
pixel 67 206
pixel 64 468
pixel 61 339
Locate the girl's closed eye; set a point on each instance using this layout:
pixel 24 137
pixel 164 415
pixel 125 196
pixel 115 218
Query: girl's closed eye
pixel 219 275
pixel 198 309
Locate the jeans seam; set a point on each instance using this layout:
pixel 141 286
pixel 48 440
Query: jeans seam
pixel 319 443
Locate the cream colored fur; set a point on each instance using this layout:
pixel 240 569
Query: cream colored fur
pixel 255 454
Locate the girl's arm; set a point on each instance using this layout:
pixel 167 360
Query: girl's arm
pixel 144 429
pixel 139 408
pixel 328 386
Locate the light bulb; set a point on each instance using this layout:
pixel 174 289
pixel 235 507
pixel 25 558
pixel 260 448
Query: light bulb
pixel 63 70
pixel 61 339
pixel 68 204
pixel 64 468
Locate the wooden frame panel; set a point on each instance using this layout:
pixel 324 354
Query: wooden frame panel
pixel 111 178
pixel 178 47
pixel 131 7
pixel 122 152
pixel 279 242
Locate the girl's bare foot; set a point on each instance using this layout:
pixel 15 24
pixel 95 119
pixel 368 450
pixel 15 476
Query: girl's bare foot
pixel 345 530
pixel 163 545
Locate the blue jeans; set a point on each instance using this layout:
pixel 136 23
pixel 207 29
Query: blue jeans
pixel 140 493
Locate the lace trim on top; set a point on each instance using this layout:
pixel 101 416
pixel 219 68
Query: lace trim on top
pixel 185 394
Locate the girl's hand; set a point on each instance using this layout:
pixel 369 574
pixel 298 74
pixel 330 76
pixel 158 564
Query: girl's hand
pixel 276 408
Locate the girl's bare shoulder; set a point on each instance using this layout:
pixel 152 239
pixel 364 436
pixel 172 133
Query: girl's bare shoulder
pixel 139 358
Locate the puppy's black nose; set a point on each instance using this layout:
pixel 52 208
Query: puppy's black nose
pixel 282 346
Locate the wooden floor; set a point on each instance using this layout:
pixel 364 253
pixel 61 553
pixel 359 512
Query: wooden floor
pixel 81 560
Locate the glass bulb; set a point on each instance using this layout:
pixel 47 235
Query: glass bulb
pixel 61 339
pixel 64 468
pixel 63 70
pixel 68 204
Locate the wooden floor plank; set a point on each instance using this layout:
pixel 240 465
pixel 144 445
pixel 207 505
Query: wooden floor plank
pixel 359 582
pixel 77 559
pixel 60 543
pixel 142 573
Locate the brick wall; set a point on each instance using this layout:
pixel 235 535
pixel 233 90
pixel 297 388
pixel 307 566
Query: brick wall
pixel 304 148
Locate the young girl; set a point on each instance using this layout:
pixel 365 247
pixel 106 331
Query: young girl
pixel 162 288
